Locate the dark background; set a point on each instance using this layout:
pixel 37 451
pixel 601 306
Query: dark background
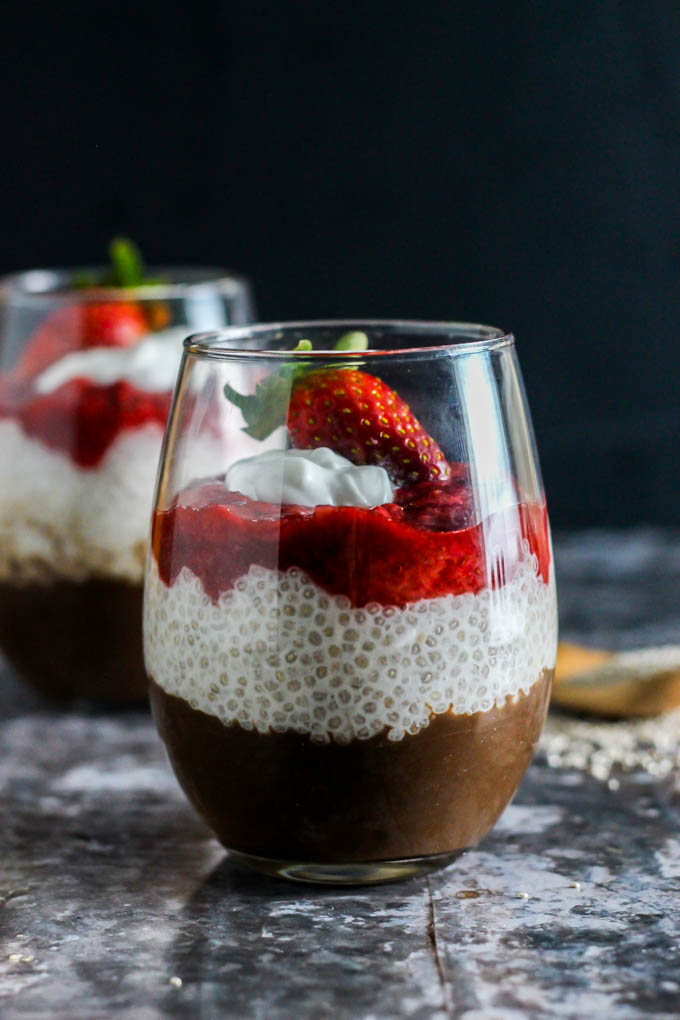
pixel 513 163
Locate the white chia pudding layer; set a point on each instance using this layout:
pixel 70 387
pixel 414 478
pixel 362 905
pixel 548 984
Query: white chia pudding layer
pixel 277 653
pixel 61 521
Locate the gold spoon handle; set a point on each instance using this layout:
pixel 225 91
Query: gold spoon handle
pixel 617 685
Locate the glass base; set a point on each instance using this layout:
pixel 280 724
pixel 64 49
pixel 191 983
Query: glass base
pixel 353 873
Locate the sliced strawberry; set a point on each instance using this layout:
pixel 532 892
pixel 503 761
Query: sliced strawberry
pixel 439 506
pixel 536 530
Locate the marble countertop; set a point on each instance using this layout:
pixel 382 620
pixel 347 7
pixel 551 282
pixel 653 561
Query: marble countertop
pixel 115 900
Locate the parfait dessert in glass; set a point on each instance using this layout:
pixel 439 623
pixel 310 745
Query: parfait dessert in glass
pixel 88 362
pixel 350 617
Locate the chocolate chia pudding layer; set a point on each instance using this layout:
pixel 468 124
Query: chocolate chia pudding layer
pixel 286 796
pixel 76 638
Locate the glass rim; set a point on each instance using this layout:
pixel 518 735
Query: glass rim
pixel 469 338
pixel 52 285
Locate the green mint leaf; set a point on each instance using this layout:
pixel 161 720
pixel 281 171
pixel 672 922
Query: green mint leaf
pixel 267 407
pixel 355 340
pixel 126 263
pixel 84 279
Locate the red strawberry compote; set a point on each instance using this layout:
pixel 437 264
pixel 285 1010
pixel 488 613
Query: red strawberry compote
pixel 338 673
pixel 80 435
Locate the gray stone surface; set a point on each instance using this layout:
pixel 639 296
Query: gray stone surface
pixel 115 901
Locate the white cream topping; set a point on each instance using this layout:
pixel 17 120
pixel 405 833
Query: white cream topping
pixel 150 364
pixel 277 653
pixel 309 478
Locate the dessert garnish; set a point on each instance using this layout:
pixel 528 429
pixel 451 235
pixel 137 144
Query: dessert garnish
pixel 93 323
pixel 126 269
pixel 347 410
pixel 97 366
pixel 309 478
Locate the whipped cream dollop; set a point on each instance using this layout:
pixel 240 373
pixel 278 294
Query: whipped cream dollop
pixel 309 478
pixel 150 364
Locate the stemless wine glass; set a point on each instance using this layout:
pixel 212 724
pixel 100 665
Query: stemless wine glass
pixel 85 388
pixel 350 617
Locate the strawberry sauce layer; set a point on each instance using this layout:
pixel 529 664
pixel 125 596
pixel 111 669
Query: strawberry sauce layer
pixel 420 547
pixel 82 419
